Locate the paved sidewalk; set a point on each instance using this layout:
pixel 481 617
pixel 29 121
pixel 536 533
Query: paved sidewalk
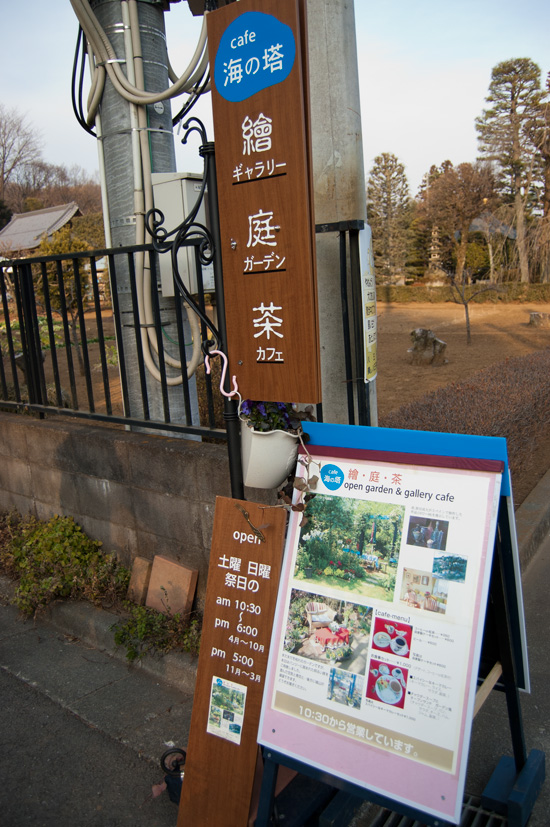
pixel 82 732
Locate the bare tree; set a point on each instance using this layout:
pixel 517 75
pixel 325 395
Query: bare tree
pixel 39 184
pixel 19 145
pixel 452 200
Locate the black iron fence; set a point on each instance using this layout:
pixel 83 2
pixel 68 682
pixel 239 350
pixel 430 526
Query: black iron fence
pixel 84 335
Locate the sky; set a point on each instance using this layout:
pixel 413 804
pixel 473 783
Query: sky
pixel 424 71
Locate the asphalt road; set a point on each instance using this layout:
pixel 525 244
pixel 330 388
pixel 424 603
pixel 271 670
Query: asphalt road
pixel 58 770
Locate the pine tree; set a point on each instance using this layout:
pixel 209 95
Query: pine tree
pixel 389 214
pixel 505 137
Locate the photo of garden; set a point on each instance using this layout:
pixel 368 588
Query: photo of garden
pixel 351 545
pixel 450 567
pixel 328 630
pixel 225 702
pixel 345 688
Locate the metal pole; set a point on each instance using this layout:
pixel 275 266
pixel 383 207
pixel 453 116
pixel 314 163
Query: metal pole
pixel 338 176
pixel 231 410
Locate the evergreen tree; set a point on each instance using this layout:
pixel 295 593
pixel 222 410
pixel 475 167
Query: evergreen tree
pixel 5 214
pixel 506 137
pixel 389 214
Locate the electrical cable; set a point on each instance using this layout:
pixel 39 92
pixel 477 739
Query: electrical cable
pixel 107 57
pixel 132 89
pixel 77 102
pixel 190 103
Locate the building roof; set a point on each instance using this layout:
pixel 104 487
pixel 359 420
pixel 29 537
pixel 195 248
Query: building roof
pixel 26 230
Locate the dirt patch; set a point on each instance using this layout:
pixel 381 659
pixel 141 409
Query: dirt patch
pixel 498 333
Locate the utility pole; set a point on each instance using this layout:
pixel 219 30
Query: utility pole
pixel 338 179
pixel 136 140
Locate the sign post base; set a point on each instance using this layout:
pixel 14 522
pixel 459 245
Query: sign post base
pixel 513 795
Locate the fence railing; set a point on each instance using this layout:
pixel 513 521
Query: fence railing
pixel 89 335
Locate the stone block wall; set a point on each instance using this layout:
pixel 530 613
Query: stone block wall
pixel 140 494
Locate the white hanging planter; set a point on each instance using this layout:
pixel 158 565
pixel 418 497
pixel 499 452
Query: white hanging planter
pixel 268 457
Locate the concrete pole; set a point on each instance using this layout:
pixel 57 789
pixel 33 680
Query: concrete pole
pixel 339 179
pixel 119 137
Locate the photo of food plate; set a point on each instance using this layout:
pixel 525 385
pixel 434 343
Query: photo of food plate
pixel 389 690
pixel 395 635
pixel 387 683
pixel 382 640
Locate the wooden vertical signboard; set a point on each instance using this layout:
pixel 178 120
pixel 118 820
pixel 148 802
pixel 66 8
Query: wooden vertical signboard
pixel 242 587
pixel 263 168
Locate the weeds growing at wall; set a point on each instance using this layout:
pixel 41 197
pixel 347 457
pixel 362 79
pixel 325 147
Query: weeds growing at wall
pixel 56 559
pixel 148 631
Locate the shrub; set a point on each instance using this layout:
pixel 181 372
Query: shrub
pixel 147 631
pixel 511 400
pixel 509 292
pixel 56 559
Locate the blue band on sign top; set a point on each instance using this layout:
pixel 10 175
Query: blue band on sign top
pixel 256 51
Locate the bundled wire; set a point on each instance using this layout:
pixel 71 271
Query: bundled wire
pixel 194 81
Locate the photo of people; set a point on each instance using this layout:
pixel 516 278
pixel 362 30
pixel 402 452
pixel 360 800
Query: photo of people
pixel 450 567
pixel 428 533
pixel 392 637
pixel 424 590
pixel 352 545
pixel 328 630
pixel 387 683
pixel 345 688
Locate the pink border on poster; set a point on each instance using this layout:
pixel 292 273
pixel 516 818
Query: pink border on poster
pixel 397 777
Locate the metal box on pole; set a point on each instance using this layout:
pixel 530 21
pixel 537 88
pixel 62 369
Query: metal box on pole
pixel 175 194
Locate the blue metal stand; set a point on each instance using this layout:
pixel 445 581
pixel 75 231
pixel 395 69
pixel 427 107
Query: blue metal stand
pixel 344 803
pixel 516 781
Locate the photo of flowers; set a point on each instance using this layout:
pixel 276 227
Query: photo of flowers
pixel 351 545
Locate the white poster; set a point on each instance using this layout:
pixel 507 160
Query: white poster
pixel 376 645
pixel 226 712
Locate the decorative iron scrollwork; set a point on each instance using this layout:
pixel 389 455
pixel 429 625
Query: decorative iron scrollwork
pixel 189 233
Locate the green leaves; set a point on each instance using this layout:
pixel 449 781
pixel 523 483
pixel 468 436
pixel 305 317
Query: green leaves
pixel 56 559
pixel 148 631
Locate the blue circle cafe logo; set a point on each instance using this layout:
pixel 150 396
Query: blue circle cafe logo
pixel 332 476
pixel 256 51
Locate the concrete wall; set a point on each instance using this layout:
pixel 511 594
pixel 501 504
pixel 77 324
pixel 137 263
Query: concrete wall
pixel 139 494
